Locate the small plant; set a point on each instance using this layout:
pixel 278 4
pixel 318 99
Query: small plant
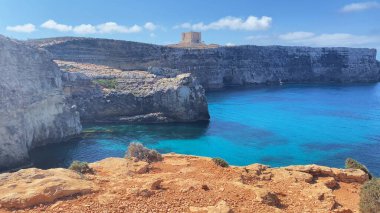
pixel 353 164
pixel 141 153
pixel 80 167
pixel 107 83
pixel 220 162
pixel 370 197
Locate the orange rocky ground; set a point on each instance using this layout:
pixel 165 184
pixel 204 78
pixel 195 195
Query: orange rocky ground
pixel 182 184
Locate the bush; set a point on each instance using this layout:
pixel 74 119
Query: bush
pixel 220 162
pixel 107 83
pixel 81 167
pixel 370 197
pixel 353 164
pixel 138 151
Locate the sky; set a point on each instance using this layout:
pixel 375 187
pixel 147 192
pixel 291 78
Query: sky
pixel 225 22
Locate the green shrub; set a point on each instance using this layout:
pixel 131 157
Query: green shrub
pixel 370 197
pixel 107 83
pixel 220 162
pixel 141 153
pixel 353 164
pixel 80 167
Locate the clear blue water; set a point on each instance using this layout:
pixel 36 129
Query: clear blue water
pixel 277 126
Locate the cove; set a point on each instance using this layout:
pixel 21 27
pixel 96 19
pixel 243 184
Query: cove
pixel 274 125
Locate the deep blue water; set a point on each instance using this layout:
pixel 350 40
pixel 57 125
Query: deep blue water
pixel 277 126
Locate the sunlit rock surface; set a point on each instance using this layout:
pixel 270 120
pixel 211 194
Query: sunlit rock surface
pixel 32 104
pixel 105 94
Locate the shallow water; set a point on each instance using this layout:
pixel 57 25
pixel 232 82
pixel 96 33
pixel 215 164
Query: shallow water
pixel 277 126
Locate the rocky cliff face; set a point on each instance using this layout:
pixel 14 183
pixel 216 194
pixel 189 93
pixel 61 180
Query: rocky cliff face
pixel 105 94
pixel 218 67
pixel 32 105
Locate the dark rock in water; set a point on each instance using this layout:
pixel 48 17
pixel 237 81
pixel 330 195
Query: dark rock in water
pixel 105 94
pixel 222 66
pixel 33 111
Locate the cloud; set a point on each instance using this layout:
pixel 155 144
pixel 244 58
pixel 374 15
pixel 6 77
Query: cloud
pixel 108 27
pixel 52 25
pixel 112 27
pixel 296 35
pixel 26 28
pixel 354 7
pixel 334 39
pixel 229 44
pixel 84 29
pixel 150 26
pixel 231 23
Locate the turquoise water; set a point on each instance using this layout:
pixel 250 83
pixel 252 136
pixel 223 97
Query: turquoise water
pixel 277 126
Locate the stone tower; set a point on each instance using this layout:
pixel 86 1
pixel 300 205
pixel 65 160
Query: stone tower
pixel 191 38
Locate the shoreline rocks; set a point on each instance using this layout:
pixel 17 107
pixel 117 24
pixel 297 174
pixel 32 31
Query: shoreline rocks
pixel 105 94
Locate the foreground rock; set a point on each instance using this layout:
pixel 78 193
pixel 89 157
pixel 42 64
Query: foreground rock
pixel 30 187
pixel 222 66
pixel 105 94
pixel 188 184
pixel 32 104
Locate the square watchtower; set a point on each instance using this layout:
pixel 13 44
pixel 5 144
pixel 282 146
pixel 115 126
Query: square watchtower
pixel 191 38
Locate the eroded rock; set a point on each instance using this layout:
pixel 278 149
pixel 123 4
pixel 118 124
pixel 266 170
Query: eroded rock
pixel 220 207
pixel 344 175
pixel 29 187
pixel 133 96
pixel 33 110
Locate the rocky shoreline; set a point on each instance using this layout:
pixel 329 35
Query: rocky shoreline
pixel 182 183
pixel 41 102
pixel 105 94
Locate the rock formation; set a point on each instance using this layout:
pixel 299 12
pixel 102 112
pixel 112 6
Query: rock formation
pixel 32 104
pixel 182 183
pixel 105 94
pixel 219 67
pixel 29 187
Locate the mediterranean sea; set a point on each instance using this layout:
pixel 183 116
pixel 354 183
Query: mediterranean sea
pixel 274 125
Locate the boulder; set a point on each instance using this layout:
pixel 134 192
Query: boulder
pixel 344 175
pixel 29 187
pixel 266 197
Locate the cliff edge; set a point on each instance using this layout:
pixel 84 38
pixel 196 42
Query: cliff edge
pixel 106 94
pixel 182 183
pixel 224 66
pixel 33 111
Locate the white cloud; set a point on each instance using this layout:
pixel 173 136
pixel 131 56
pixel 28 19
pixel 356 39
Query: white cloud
pixel 231 23
pixel 150 26
pixel 84 29
pixel 296 35
pixel 334 39
pixel 52 25
pixel 360 6
pixel 26 28
pixel 229 44
pixel 112 27
pixel 108 27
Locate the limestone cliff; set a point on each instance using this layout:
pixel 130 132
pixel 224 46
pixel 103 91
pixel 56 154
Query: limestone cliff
pixel 105 94
pixel 218 67
pixel 32 105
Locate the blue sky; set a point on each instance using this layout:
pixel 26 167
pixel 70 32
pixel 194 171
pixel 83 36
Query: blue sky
pixel 232 22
